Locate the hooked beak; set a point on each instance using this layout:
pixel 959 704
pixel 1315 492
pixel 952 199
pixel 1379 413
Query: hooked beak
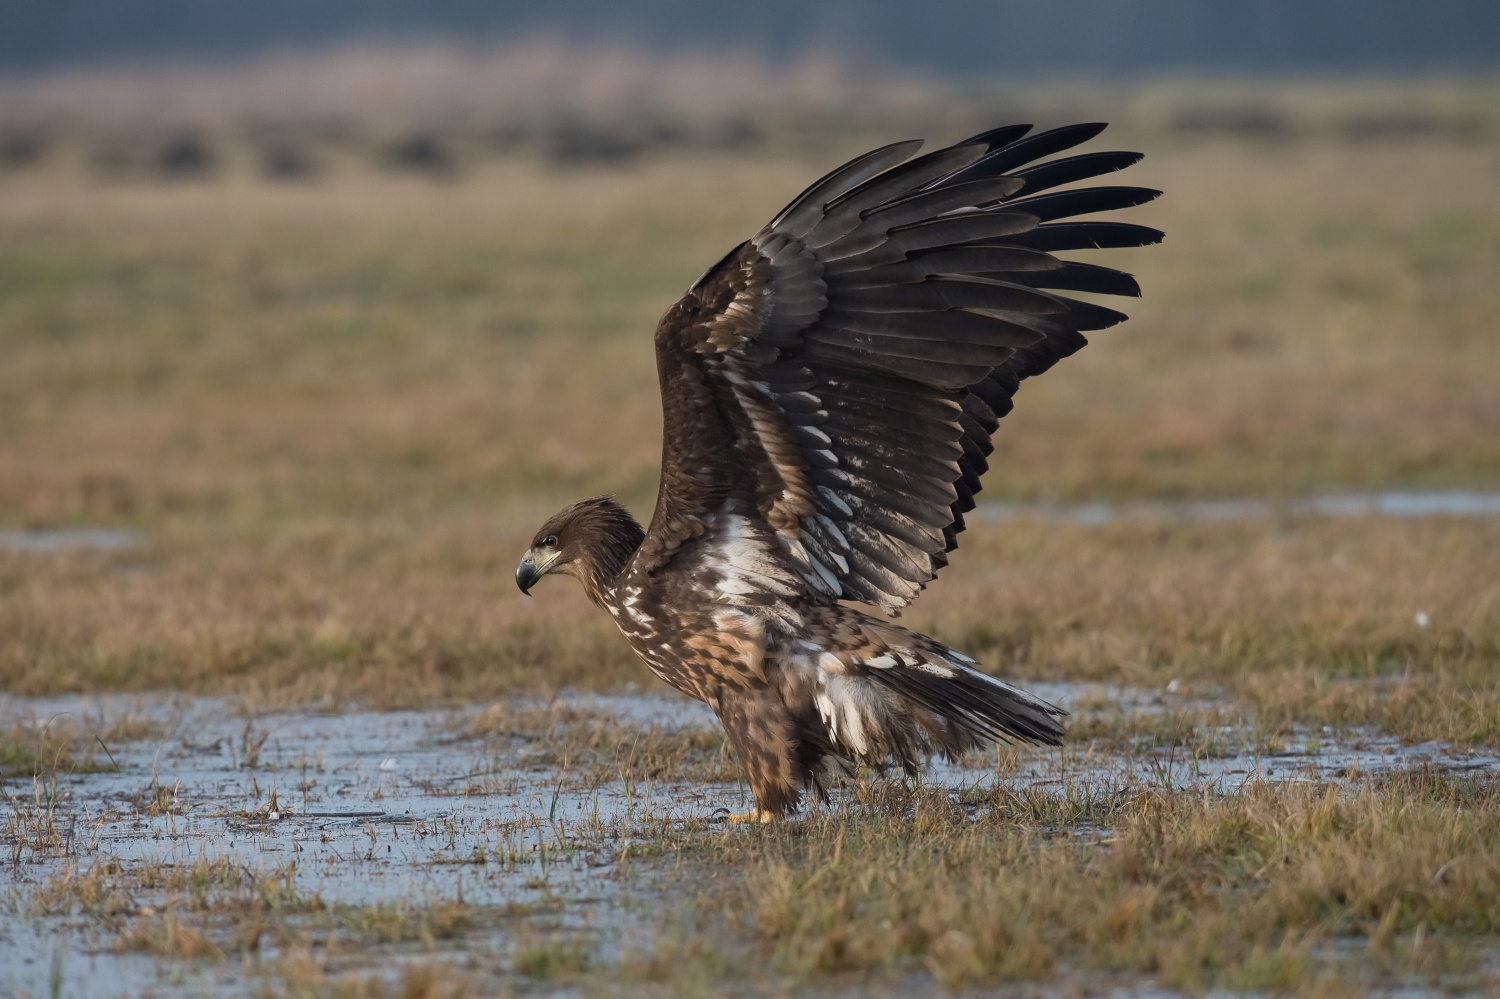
pixel 529 571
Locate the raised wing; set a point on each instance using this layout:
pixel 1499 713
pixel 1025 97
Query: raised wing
pixel 839 376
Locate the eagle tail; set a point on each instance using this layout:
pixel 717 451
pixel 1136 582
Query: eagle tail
pixel 980 707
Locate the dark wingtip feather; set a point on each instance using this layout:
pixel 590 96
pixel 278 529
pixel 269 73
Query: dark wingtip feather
pixel 1034 147
pixel 1055 173
pixel 1085 236
pixel 995 138
pixel 1085 201
pixel 1075 276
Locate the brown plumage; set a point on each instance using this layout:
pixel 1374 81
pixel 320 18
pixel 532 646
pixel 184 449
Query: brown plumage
pixel 829 392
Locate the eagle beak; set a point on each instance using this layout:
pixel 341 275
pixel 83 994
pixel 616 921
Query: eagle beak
pixel 527 573
pixel 534 566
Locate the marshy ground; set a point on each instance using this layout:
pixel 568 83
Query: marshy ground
pixel 184 847
pixel 276 721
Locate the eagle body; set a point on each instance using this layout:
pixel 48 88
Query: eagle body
pixel 802 686
pixel 829 392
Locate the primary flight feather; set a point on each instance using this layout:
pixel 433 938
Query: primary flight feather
pixel 829 391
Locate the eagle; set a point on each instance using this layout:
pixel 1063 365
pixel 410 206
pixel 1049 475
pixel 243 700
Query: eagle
pixel 829 393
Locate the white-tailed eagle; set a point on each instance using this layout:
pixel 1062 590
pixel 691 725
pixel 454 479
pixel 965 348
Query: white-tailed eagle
pixel 829 389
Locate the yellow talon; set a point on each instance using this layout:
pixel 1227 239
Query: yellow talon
pixel 754 815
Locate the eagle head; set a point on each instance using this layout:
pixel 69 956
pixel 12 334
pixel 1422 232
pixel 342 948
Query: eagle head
pixel 590 540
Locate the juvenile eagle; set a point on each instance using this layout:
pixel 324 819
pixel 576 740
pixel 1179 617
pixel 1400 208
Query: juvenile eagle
pixel 829 389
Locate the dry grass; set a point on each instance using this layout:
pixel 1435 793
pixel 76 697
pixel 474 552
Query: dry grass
pixel 1307 621
pixel 1307 888
pixel 213 907
pixel 199 910
pixel 1312 889
pixel 305 978
pixel 45 748
pixel 590 744
pixel 65 743
pixel 1199 734
pixel 105 887
pixel 338 411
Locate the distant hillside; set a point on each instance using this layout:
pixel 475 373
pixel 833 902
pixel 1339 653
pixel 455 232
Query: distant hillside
pixel 1056 38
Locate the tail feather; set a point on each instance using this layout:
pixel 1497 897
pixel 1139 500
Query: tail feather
pixel 884 692
pixel 984 708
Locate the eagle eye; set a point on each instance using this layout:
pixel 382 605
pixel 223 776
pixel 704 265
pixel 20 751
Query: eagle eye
pixel 550 541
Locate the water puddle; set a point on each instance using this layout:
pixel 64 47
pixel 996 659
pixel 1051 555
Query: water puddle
pixel 64 539
pixel 357 811
pixel 1218 757
pixel 352 826
pixel 1336 505
pixel 1451 503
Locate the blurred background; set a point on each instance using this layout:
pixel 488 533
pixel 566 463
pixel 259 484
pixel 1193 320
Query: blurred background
pixel 1066 38
pixel 310 312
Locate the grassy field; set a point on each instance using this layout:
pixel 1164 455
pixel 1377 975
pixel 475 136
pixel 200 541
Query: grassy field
pixel 337 409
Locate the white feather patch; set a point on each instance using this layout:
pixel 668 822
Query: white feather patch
pixel 936 669
pixel 828 578
pixel 851 710
pixel 747 560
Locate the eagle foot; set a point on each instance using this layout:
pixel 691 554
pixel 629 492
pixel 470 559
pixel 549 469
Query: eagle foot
pixel 753 816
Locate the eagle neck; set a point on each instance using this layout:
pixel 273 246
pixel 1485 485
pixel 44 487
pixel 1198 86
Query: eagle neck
pixel 607 557
pixel 600 582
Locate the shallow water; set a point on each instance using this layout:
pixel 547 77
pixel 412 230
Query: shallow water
pixel 357 809
pixel 49 539
pixel 1239 757
pixel 1439 503
pixel 367 808
pixel 1337 505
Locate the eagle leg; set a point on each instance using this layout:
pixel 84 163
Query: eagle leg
pixel 765 738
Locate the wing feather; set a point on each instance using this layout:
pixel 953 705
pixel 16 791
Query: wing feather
pixel 1074 276
pixel 807 207
pixel 1062 204
pixel 1032 148
pixel 840 375
pixel 1055 173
